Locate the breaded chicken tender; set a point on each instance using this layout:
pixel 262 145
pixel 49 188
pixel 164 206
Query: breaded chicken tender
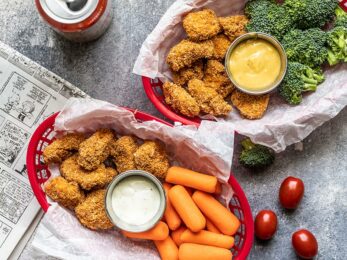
pixel 68 194
pixel 122 151
pixel 95 150
pixel 151 157
pixel 221 44
pixel 223 89
pixel 185 53
pixel 215 77
pixel 233 26
pixel 251 107
pixel 62 148
pixel 92 213
pixel 179 99
pixel 87 180
pixel 201 25
pixel 184 75
pixel 208 99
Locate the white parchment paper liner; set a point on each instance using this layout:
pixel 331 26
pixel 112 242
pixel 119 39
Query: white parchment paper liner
pixel 282 124
pixel 208 149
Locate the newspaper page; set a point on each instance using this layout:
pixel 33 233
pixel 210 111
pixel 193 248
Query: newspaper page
pixel 29 94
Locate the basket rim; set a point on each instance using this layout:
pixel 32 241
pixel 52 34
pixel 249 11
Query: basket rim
pixel 170 114
pixel 41 197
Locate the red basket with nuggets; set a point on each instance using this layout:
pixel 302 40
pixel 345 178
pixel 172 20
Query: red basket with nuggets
pixel 39 173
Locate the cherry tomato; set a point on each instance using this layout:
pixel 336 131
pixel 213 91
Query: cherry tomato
pixel 305 244
pixel 291 192
pixel 265 224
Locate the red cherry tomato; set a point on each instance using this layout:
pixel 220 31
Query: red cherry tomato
pixel 291 192
pixel 305 244
pixel 265 224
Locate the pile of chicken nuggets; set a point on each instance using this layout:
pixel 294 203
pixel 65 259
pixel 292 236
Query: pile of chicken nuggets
pixel 200 83
pixel 88 165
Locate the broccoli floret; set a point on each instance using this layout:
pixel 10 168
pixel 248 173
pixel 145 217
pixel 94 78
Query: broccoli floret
pixel 341 17
pixel 337 45
pixel 311 13
pixel 306 47
pixel 268 17
pixel 298 79
pixel 255 155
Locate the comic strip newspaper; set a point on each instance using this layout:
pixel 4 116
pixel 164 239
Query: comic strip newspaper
pixel 28 94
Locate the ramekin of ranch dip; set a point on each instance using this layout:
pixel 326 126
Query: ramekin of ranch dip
pixel 256 63
pixel 135 201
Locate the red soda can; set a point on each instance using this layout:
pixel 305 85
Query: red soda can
pixel 77 20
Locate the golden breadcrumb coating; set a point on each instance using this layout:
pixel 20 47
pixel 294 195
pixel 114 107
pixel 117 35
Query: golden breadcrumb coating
pixel 250 106
pixel 68 194
pixel 185 53
pixel 215 77
pixel 122 151
pixel 62 148
pixel 179 99
pixel 208 99
pixel 233 26
pixel 151 157
pixel 215 72
pixel 88 180
pixel 222 89
pixel 221 44
pixel 182 76
pixel 92 213
pixel 201 25
pixel 95 150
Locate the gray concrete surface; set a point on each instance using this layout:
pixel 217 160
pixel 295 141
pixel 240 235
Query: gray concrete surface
pixel 103 70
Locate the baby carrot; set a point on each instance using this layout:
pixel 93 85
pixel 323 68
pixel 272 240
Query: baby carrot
pixel 189 251
pixel 170 214
pixel 158 232
pixel 186 208
pixel 211 227
pixel 167 249
pixel 220 216
pixel 176 235
pixel 185 177
pixel 204 237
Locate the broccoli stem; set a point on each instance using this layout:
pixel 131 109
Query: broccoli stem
pixel 309 87
pixel 332 59
pixel 309 80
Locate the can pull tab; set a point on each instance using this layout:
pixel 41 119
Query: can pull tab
pixel 76 5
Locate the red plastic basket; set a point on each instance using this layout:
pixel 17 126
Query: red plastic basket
pixel 38 173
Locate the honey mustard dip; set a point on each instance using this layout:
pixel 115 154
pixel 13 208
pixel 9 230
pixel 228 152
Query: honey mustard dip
pixel 255 64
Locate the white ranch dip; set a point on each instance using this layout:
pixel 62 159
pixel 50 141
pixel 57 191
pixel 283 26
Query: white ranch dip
pixel 135 200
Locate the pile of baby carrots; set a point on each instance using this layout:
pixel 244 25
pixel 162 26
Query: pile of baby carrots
pixel 200 226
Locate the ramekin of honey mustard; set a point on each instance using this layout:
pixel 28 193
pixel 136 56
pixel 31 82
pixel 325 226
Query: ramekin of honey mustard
pixel 256 63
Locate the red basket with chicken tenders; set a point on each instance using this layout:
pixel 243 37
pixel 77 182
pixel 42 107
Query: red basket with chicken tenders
pixel 39 173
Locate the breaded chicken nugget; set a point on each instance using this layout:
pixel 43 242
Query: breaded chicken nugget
pixel 88 180
pixel 223 89
pixel 151 157
pixel 122 151
pixel 179 99
pixel 68 194
pixel 215 77
pixel 201 25
pixel 208 99
pixel 92 213
pixel 234 26
pixel 95 149
pixel 251 107
pixel 62 148
pixel 221 44
pixel 184 75
pixel 185 53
